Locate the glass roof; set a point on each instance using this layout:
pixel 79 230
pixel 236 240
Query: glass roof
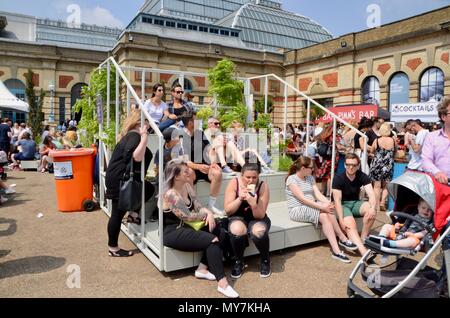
pixel 265 27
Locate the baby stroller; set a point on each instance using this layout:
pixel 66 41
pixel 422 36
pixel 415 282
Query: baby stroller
pixel 394 274
pixel 3 162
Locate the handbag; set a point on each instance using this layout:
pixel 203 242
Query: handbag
pixel 196 225
pixel 130 193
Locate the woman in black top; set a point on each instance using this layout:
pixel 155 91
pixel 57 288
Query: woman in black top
pixel 246 201
pixel 180 205
pixel 132 144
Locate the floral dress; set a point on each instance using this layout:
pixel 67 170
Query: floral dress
pixel 382 167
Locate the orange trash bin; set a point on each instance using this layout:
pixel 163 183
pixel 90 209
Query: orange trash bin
pixel 73 170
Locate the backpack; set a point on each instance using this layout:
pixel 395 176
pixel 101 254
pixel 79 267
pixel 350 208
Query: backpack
pixel 324 150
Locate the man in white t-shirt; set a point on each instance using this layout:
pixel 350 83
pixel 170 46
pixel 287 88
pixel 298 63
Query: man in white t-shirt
pixel 416 143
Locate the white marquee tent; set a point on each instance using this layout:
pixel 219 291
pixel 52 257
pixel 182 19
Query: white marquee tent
pixel 10 102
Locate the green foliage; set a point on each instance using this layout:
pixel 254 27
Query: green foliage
pixel 89 124
pixel 259 106
pixel 35 116
pixel 238 112
pixel 263 122
pixel 284 163
pixel 223 84
pixel 204 113
pixel 316 112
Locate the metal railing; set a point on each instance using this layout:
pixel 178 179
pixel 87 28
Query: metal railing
pixel 139 235
pixel 308 118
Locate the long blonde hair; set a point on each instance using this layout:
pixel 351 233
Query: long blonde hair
pixel 131 122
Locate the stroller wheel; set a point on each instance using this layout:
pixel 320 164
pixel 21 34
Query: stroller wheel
pixel 4 176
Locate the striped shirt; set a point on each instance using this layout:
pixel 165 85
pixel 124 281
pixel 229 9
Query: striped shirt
pixel 305 185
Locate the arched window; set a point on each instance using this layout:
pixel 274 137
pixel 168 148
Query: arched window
pixel 371 91
pixel 16 87
pixel 399 89
pixel 188 87
pixel 432 85
pixel 75 94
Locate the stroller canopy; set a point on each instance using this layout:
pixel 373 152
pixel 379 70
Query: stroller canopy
pixel 436 195
pixel 420 183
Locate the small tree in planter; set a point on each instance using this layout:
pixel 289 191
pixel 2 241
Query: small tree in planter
pixel 228 91
pixel 89 125
pixel 35 116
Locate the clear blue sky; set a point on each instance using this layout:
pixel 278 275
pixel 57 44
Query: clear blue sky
pixel 338 16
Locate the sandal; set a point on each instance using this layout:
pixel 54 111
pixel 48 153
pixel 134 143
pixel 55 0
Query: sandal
pixel 120 253
pixel 133 219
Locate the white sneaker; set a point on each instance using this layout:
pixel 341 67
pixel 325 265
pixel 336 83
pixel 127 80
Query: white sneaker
pixel 218 213
pixel 227 170
pixel 10 190
pixel 267 170
pixel 228 291
pixel 208 275
pixel 3 200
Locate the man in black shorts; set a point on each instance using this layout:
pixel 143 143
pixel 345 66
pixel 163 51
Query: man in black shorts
pixel 195 152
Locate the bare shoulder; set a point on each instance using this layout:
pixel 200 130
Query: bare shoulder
pixel 171 196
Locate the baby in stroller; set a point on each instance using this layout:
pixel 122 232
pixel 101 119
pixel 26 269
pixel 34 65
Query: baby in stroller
pixel 410 234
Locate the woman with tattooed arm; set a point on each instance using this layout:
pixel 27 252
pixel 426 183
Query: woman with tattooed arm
pixel 180 205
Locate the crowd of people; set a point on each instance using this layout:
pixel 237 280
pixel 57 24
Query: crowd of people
pixel 191 154
pixel 18 144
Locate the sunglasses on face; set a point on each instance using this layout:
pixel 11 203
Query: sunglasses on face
pixel 351 165
pixel 178 92
pixel 160 90
pixel 216 124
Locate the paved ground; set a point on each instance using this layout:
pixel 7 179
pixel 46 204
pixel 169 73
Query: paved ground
pixel 36 255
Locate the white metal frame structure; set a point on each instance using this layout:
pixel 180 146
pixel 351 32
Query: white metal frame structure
pixel 147 237
pixel 309 100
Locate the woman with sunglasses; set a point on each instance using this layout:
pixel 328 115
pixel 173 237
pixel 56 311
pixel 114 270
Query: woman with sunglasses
pixel 307 204
pixel 155 105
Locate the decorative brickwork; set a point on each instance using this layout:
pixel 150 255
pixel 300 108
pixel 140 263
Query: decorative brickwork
pixel 64 81
pixel 444 57
pixel 331 79
pixel 360 71
pixel 256 83
pixel 165 77
pixel 348 92
pixel 413 64
pixel 201 81
pixel 384 68
pixel 303 83
pixel 138 76
pixel 35 78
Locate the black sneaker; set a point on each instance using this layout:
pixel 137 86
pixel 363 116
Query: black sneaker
pixel 265 269
pixel 238 269
pixel 341 257
pixel 348 245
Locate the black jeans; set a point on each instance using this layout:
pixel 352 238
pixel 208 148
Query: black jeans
pixel 186 239
pixel 239 243
pixel 114 224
